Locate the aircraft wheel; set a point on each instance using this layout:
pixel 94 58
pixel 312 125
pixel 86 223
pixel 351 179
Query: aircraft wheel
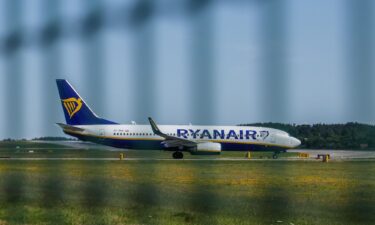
pixel 178 155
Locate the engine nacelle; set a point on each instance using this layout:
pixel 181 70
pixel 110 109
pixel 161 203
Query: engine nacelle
pixel 207 148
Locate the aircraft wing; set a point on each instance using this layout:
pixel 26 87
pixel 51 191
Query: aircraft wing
pixel 171 141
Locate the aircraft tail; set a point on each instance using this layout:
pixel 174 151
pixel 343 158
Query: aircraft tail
pixel 76 111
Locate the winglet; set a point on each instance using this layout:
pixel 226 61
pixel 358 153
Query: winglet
pixel 154 127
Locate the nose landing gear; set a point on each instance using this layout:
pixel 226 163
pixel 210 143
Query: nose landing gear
pixel 178 155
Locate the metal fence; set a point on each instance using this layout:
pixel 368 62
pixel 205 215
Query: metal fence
pixel 33 54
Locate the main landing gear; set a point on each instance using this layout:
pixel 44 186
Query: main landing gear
pixel 178 155
pixel 275 155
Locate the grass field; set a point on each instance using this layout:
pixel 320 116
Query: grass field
pixel 186 192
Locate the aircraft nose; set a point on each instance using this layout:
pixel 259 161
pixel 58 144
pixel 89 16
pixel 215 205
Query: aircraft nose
pixel 296 142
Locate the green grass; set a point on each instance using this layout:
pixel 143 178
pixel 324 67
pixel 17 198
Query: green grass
pixel 181 192
pixel 186 192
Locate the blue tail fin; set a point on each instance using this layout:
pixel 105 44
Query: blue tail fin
pixel 76 111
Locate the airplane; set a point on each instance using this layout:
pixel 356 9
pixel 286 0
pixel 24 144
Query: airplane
pixel 84 124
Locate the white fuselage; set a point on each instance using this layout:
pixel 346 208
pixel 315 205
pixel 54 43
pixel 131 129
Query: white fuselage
pixel 228 136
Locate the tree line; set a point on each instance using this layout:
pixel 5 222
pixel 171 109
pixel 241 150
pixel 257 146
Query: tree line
pixel 329 136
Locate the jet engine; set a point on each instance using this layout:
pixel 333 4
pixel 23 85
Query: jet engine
pixel 206 148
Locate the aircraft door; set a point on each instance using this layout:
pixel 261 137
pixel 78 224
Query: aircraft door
pixel 272 138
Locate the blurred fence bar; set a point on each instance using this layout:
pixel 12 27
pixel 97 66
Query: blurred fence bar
pixel 93 52
pixel 360 59
pixel 202 77
pixel 140 20
pixel 273 43
pixel 274 80
pixel 14 123
pixel 53 186
pixel 360 34
pixel 141 17
pixel 51 63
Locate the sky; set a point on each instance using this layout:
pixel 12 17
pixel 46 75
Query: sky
pixel 231 62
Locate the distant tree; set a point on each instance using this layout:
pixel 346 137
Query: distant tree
pixel 8 139
pixel 54 139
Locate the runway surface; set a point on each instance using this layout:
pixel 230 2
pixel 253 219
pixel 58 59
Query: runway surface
pixel 335 155
pixel 182 160
pixel 339 154
pixel 144 159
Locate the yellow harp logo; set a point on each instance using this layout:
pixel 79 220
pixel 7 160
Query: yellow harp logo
pixel 72 105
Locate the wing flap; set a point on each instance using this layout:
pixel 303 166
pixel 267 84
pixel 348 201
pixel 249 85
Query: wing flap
pixel 178 143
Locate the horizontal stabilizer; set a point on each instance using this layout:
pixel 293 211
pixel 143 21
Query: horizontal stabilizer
pixel 67 127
